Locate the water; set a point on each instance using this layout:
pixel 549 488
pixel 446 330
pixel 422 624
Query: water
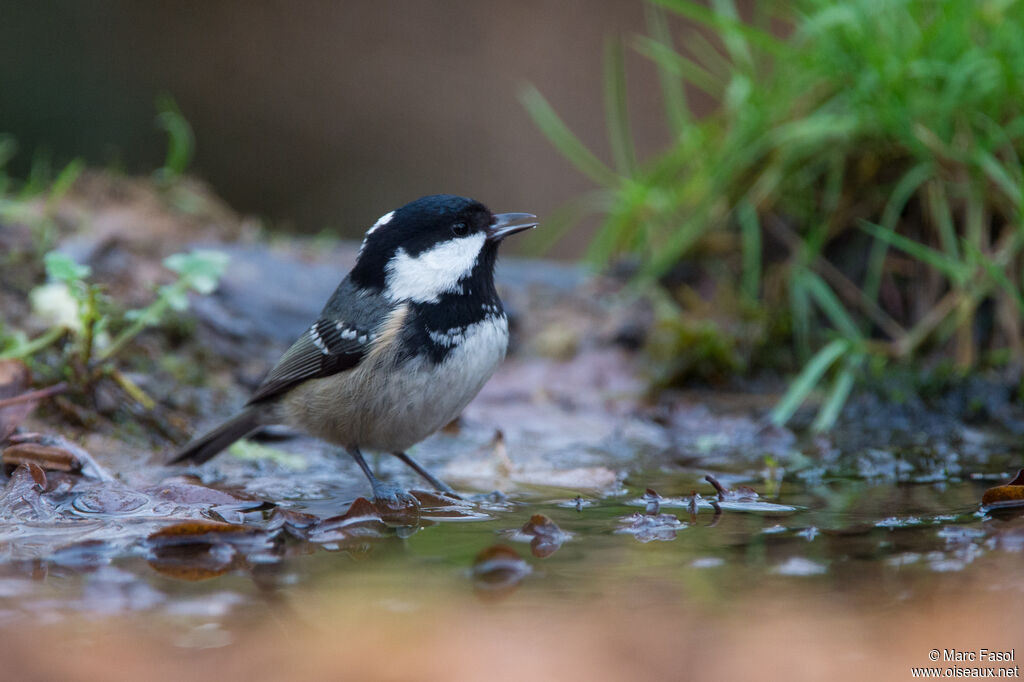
pixel 590 545
pixel 893 541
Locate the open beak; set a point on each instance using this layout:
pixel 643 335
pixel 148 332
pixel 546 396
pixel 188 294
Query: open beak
pixel 509 223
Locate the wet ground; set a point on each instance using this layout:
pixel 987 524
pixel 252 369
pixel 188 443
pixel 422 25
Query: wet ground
pixel 600 534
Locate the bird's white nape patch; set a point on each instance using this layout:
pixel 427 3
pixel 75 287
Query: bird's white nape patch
pixel 436 271
pixel 383 220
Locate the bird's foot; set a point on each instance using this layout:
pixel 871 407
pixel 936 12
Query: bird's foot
pixel 394 497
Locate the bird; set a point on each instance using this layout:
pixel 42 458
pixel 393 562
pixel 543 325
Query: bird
pixel 408 338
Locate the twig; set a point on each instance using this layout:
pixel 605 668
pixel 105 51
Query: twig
pixel 34 395
pixel 718 486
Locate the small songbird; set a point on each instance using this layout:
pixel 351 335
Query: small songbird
pixel 408 338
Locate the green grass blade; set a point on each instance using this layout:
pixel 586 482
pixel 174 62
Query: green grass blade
pixel 942 216
pixel 800 311
pixel 180 138
pixel 616 109
pixel 997 274
pixel 955 270
pixel 735 41
pixel 64 180
pixel 570 146
pixel 675 65
pixel 673 92
pixel 830 304
pixel 808 378
pixel 1001 177
pixel 750 237
pixel 700 13
pixel 837 396
pixel 8 148
pixel 567 216
pixel 901 193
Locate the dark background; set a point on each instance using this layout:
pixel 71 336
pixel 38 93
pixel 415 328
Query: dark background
pixel 323 115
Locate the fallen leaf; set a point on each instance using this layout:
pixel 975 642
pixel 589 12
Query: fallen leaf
pixel 296 523
pixel 47 457
pixel 1007 495
pixel 652 501
pixel 15 379
pixel 87 466
pixel 546 536
pixel 199 550
pixel 497 572
pixel 361 521
pixel 194 528
pixel 191 493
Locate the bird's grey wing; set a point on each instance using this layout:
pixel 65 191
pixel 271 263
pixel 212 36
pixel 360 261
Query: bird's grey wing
pixel 336 342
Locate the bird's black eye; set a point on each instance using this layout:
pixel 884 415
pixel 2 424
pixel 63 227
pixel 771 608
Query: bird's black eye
pixel 460 229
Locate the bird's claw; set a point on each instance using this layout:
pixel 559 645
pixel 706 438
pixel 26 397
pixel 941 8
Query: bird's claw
pixel 393 497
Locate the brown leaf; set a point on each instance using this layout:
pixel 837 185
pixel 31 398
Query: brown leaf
pixel 197 550
pixel 47 457
pixel 15 379
pixel 190 493
pixel 86 465
pixel 193 562
pixel 294 522
pixel 497 572
pixel 198 528
pixel 1007 495
pixel 37 473
pixel 547 536
pixel 361 522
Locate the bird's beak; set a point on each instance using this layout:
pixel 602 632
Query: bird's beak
pixel 509 223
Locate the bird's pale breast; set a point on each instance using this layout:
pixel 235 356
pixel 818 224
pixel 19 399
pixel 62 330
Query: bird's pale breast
pixel 375 407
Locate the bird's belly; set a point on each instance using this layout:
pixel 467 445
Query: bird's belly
pixel 379 408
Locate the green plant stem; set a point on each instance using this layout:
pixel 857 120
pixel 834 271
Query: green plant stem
pixel 35 345
pixel 149 315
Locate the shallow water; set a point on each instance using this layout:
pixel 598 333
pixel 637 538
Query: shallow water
pixel 846 576
pixel 889 541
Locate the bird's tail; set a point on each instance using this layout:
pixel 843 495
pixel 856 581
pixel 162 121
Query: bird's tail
pixel 207 446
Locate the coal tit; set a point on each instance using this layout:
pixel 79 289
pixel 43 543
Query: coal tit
pixel 408 338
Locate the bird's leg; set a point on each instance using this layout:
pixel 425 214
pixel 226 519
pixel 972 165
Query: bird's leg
pixel 388 494
pixel 437 483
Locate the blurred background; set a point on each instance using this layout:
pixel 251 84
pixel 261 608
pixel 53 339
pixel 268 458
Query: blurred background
pixel 322 116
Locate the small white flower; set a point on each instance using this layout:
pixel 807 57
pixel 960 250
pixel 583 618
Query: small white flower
pixel 54 305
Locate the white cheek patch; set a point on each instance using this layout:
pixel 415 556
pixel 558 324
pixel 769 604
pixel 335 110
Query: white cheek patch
pixel 383 220
pixel 434 272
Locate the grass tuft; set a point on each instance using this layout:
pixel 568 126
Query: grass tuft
pixel 877 145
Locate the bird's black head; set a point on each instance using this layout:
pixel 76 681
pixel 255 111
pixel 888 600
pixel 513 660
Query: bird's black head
pixel 427 247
